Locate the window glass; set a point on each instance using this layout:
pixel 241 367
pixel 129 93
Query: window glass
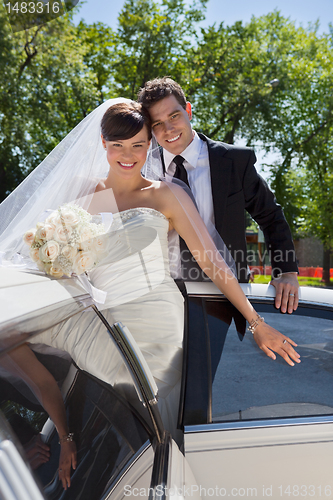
pixel 249 385
pixel 107 422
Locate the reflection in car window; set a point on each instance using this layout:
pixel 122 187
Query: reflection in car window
pixel 106 422
pixel 249 385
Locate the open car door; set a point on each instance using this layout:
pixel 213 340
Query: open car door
pixel 256 427
pixel 123 449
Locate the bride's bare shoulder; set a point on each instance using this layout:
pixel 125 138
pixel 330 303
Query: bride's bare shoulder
pixel 161 186
pixel 169 190
pixel 161 191
pixel 168 196
pixel 100 186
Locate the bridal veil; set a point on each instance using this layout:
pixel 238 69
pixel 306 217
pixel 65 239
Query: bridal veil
pixel 70 173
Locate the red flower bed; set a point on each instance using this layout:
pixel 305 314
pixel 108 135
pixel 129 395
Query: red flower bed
pixel 309 272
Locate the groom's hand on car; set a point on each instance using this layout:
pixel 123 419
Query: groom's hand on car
pixel 286 286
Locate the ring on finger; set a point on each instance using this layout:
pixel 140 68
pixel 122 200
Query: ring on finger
pixel 285 341
pixel 291 295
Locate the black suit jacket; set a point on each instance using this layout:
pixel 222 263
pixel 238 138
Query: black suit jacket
pixel 236 185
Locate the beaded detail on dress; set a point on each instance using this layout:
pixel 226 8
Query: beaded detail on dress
pixel 120 217
pixel 132 212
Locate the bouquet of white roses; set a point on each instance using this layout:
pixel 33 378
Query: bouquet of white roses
pixel 66 242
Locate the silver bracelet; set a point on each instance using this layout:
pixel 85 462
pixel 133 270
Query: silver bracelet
pixel 255 323
pixel 69 437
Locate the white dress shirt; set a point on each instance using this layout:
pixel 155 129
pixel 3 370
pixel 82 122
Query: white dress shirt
pixel 198 172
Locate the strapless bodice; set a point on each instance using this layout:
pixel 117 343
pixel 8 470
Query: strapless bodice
pixel 137 260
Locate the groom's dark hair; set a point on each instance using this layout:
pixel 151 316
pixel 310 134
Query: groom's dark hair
pixel 159 88
pixel 124 120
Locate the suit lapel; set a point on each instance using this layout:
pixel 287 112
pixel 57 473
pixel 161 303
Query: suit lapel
pixel 220 172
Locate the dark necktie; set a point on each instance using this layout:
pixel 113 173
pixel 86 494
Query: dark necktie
pixel 180 173
pixel 190 269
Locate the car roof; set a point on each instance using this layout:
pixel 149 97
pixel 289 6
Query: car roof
pixel 312 295
pixel 26 296
pixel 22 293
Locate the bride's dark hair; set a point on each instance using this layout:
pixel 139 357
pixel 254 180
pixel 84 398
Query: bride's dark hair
pixel 124 120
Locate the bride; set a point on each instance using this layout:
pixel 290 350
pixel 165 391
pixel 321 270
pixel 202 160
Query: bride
pixel 140 291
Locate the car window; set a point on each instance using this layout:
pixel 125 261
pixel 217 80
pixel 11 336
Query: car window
pixel 227 378
pixel 107 422
pixel 249 385
pixel 109 432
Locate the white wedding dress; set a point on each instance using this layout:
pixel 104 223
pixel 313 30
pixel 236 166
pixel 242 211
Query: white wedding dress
pixel 142 295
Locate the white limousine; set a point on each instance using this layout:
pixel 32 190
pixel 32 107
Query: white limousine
pixel 252 427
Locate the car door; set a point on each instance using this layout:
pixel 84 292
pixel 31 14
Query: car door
pixel 122 447
pixel 260 428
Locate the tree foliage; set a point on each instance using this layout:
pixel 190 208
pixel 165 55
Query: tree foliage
pixel 46 89
pixel 99 56
pixel 229 79
pixel 302 133
pixel 153 39
pixel 267 81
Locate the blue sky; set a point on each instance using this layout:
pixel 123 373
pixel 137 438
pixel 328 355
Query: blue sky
pixel 300 11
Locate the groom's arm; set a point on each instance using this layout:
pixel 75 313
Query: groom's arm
pixel 261 204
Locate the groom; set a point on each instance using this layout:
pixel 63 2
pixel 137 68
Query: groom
pixel 224 182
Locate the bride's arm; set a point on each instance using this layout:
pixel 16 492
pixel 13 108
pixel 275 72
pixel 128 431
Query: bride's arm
pixel 186 220
pixel 22 362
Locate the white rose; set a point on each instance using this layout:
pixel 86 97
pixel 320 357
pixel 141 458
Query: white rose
pixel 55 271
pixel 85 234
pixel 53 219
pixel 49 251
pixel 86 245
pixel 41 266
pixel 100 243
pixel 45 232
pixel 84 261
pixel 68 217
pixel 29 237
pixel 69 252
pixel 34 254
pixel 62 234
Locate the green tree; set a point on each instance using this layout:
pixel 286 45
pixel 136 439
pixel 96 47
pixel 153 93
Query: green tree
pixel 316 182
pixel 271 83
pixel 52 76
pixel 303 178
pixel 228 79
pixel 100 56
pixel 153 39
pixel 233 75
pixel 319 209
pixel 46 89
